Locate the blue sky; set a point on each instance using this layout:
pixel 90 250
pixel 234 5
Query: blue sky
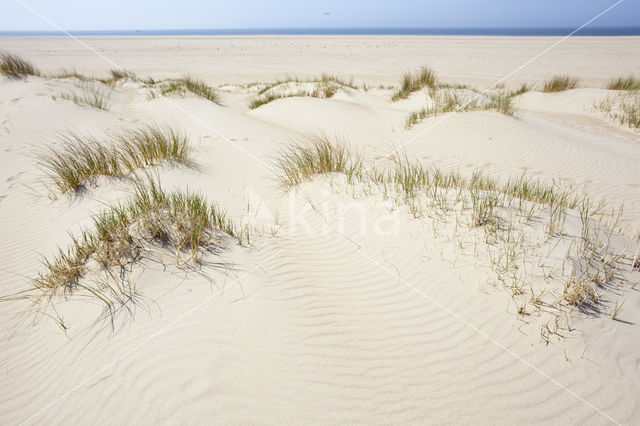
pixel 189 14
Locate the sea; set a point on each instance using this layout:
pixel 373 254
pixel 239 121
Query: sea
pixel 515 32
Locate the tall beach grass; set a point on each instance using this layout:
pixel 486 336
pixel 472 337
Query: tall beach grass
pixel 181 221
pixel 412 82
pixel 560 83
pixel 624 83
pixel 14 66
pixel 315 154
pixel 77 159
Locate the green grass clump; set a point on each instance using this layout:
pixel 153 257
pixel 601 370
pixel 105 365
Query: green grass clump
pixel 188 85
pixel 78 158
pixel 14 66
pixel 425 77
pixel 624 83
pixel 181 221
pixel 89 94
pixel 560 83
pixel 317 154
pixel 151 144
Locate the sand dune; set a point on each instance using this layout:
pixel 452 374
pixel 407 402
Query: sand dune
pixel 346 305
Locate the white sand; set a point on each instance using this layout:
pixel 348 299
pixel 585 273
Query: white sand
pixel 479 61
pixel 317 326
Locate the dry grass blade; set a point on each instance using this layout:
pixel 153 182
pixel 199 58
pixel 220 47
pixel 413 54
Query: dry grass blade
pixel 617 310
pixel 14 66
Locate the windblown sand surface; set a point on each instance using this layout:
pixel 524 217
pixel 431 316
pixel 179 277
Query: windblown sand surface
pixel 356 310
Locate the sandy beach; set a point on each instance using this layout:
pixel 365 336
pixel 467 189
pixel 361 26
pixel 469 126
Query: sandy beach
pixel 375 289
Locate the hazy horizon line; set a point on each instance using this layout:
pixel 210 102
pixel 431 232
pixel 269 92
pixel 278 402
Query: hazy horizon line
pixel 346 30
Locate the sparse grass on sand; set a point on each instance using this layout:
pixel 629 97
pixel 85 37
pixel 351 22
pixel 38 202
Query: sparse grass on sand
pixel 560 83
pixel 117 75
pixel 77 159
pixel 624 109
pixel 451 100
pixel 183 87
pixel 72 73
pixel 180 221
pixel 324 78
pixel 14 66
pixel 412 82
pixel 524 88
pixel 624 83
pixel 502 209
pixel 265 99
pixel 88 93
pixel 325 87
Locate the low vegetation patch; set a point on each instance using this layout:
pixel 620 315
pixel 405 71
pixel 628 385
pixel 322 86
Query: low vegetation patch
pixel 624 83
pixel 72 73
pixel 183 87
pixel 624 109
pixel 513 217
pixel 324 87
pixel 412 82
pixel 117 75
pixel 87 93
pixel 524 88
pixel 453 100
pixel 180 221
pixel 560 83
pixel 78 159
pixel 14 66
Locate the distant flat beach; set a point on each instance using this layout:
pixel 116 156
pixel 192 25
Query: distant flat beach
pixel 374 59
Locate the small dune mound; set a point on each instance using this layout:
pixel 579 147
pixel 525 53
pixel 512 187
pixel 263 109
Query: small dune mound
pixel 324 87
